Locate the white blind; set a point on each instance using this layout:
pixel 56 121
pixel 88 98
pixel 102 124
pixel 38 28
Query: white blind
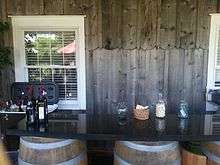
pixel 51 56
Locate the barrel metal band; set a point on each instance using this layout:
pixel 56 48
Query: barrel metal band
pixel 150 148
pixel 123 162
pixel 46 146
pixel 211 156
pixel 73 161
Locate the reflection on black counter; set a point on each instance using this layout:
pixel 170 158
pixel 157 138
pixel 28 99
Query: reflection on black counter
pixel 183 125
pixel 160 125
pixel 72 124
pixel 60 121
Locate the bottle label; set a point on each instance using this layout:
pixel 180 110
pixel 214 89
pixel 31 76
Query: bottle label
pixel 41 113
pixel 32 118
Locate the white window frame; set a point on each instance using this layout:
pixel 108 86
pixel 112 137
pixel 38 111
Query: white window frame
pixel 213 48
pixel 21 24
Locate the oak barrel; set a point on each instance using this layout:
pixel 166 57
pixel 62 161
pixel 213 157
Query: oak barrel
pixel 212 152
pixel 146 153
pixel 48 151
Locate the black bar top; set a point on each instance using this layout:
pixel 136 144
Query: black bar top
pixel 69 124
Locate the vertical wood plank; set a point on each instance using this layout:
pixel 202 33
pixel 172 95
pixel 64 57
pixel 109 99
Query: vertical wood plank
pixel 7 74
pixel 16 7
pixel 53 7
pixel 205 67
pixel 150 76
pixel 117 90
pixel 168 24
pixel 34 7
pixel 90 89
pixel 218 6
pixel 129 24
pixel 94 24
pixel 106 22
pixel 166 74
pixel 175 77
pixel 188 76
pixel 99 81
pixel 198 95
pixel 74 7
pixel 116 24
pixel 205 7
pixel 186 23
pixel 143 83
pixel 129 64
pixel 148 23
pixel 112 23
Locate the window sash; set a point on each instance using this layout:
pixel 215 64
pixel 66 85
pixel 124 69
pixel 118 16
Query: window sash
pixel 214 53
pixel 51 23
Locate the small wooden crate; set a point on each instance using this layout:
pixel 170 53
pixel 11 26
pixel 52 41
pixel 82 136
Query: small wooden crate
pixel 141 114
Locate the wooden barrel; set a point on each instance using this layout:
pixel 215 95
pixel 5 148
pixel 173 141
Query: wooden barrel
pixel 147 153
pixel 46 151
pixel 212 152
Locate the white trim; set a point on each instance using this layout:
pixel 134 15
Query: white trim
pixel 213 46
pixel 52 23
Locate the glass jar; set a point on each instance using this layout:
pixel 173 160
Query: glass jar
pixel 183 110
pixel 122 110
pixel 160 107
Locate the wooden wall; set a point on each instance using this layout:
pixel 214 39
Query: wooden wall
pixel 134 48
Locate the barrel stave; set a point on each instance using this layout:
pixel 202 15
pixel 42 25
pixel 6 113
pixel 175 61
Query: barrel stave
pixel 153 153
pixel 36 150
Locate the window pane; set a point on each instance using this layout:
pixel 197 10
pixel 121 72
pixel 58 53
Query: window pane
pixel 30 48
pixel 62 91
pixel 34 74
pixel 43 47
pixel 71 76
pixel 50 48
pixel 59 76
pixel 71 91
pixel 57 58
pixel 69 50
pixel 46 74
pixel 217 75
pixel 54 50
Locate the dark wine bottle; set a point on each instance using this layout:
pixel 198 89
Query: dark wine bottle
pixel 30 120
pixel 30 113
pixel 20 106
pixel 21 102
pixel 42 111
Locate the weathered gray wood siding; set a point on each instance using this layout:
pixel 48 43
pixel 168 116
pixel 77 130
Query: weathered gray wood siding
pixel 134 48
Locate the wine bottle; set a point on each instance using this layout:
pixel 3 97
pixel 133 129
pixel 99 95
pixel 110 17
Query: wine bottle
pixel 20 106
pixel 42 110
pixel 45 106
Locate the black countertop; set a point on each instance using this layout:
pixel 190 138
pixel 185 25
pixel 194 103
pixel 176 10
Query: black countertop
pixel 69 124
